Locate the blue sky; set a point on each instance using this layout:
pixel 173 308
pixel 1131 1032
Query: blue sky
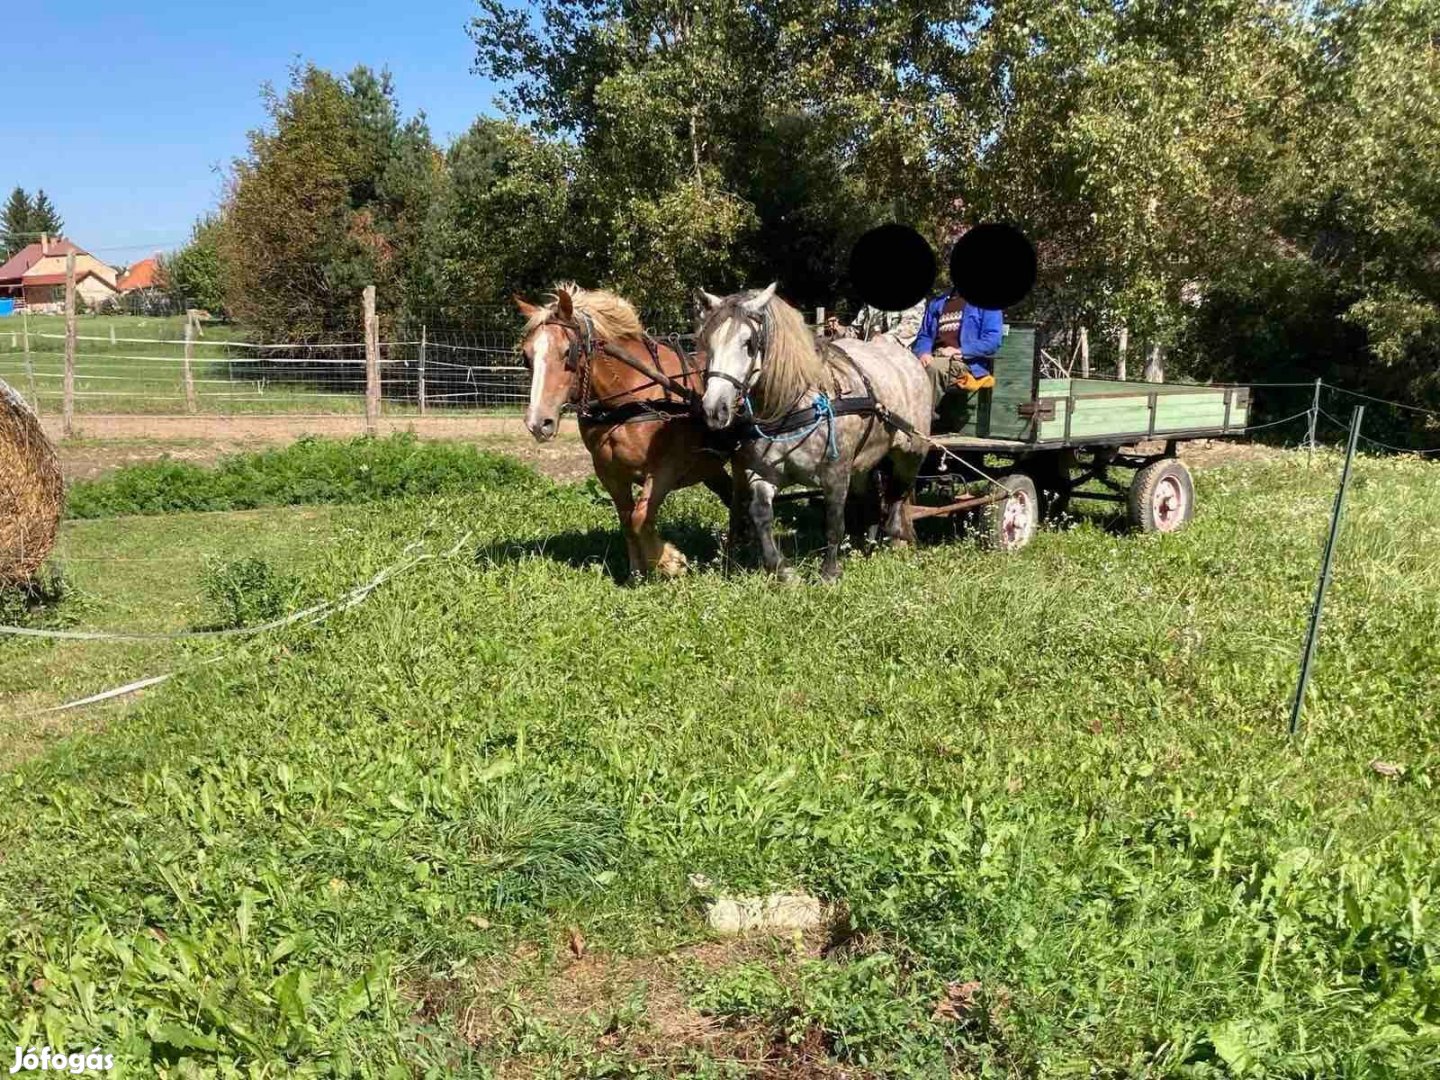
pixel 133 107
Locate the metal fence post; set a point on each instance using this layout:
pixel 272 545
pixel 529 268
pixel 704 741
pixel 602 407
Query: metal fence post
pixel 1314 419
pixel 29 364
pixel 372 362
pixel 422 370
pixel 67 425
pixel 1318 607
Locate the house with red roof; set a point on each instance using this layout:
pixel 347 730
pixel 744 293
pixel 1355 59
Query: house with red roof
pixel 145 274
pixel 35 275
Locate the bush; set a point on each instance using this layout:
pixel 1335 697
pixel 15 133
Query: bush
pixel 308 471
pixel 247 592
pixel 36 602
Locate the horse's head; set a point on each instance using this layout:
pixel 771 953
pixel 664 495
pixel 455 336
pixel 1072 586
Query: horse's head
pixel 549 350
pixel 732 337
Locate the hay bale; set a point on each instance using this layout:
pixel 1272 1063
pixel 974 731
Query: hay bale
pixel 32 490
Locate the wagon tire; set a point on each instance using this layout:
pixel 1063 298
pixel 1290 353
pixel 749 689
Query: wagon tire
pixel 1162 497
pixel 1011 523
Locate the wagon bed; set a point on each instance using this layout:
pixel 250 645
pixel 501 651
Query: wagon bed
pixel 1046 441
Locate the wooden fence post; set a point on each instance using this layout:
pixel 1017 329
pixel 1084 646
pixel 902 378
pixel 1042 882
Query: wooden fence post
pixel 1155 365
pixel 29 364
pixel 67 425
pixel 1084 352
pixel 372 363
pixel 1124 344
pixel 190 403
pixel 422 370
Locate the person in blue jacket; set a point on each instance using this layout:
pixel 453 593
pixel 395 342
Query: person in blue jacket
pixel 957 344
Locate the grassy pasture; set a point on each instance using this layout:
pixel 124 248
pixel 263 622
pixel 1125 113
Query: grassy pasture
pixel 1056 784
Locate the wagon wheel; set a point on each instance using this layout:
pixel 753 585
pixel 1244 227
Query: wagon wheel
pixel 1162 497
pixel 1010 524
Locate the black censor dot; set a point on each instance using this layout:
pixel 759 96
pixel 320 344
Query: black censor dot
pixel 892 267
pixel 993 265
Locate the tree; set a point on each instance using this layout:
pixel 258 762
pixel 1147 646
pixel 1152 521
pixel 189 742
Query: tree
pixel 44 218
pixel 332 197
pixel 193 274
pixel 15 222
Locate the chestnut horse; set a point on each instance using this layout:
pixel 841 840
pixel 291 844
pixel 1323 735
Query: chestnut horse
pixel 634 398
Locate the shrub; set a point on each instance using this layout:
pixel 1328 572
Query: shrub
pixel 308 471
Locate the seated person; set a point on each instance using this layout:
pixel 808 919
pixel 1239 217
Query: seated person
pixel 957 344
pixel 871 322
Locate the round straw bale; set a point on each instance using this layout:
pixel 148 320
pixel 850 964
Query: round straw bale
pixel 32 490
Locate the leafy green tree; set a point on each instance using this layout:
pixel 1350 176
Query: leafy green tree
pixel 15 222
pixel 193 274
pixel 332 196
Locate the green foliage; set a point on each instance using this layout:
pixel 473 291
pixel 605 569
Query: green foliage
pixel 307 471
pixel 39 601
pixel 24 219
pixel 15 222
pixel 194 273
pixel 332 197
pixel 247 592
pixel 1053 793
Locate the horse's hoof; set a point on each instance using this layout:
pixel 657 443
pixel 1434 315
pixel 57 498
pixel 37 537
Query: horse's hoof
pixel 830 577
pixel 786 575
pixel 672 564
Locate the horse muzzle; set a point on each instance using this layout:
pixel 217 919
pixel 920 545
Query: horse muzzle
pixel 718 405
pixel 544 428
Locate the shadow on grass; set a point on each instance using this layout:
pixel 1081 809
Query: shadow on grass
pixel 599 547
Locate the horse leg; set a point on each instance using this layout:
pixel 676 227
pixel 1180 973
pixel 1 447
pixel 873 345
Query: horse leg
pixel 899 489
pixel 659 555
pixel 835 487
pixel 762 518
pixel 624 499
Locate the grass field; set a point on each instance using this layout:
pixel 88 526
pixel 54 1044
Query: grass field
pixel 449 831
pixel 142 371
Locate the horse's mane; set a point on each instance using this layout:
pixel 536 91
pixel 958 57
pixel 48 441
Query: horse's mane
pixel 792 363
pixel 613 316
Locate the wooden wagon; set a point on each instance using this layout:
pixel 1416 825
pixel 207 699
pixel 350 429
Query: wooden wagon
pixel 1046 441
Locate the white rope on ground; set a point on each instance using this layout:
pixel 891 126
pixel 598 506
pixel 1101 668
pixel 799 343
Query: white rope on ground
pixel 349 600
pixel 322 610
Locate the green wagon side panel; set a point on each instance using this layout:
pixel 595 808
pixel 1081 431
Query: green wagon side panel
pixel 995 414
pixel 1105 408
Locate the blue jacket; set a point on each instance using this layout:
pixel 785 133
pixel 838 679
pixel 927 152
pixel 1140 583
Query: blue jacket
pixel 981 331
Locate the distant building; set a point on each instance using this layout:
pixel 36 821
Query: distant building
pixel 35 275
pixel 145 274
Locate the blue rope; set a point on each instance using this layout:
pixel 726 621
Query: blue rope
pixel 824 414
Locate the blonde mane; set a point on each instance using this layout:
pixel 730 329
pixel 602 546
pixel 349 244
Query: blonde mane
pixel 613 317
pixel 792 364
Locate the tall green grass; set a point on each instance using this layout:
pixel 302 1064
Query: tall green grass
pixel 1061 775
pixel 306 471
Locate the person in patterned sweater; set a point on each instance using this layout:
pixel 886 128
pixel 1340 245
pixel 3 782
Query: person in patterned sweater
pixel 957 344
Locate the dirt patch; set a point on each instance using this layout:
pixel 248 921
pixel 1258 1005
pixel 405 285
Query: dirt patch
pixel 632 1007
pixel 105 443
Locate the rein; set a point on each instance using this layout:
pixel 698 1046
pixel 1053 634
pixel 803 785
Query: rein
pixel 580 358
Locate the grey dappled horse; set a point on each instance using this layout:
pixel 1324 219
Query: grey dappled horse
pixel 765 365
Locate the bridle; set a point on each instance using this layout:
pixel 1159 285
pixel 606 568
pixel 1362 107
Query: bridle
pixel 759 325
pixel 582 345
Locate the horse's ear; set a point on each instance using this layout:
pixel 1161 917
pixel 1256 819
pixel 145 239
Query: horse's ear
pixel 756 303
pixel 707 301
pixel 564 305
pixel 526 308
